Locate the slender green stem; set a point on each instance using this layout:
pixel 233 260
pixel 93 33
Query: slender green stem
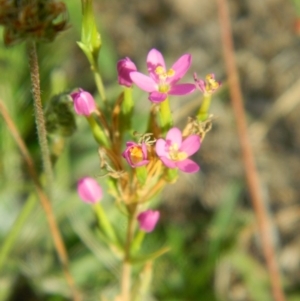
pixel 126 272
pixel 105 224
pixel 99 82
pixel 39 114
pixel 97 132
pixel 203 111
pixel 10 239
pixel 136 243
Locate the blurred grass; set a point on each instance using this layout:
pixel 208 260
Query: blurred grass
pixel 199 249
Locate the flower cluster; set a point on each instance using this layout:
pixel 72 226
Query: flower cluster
pixel 155 158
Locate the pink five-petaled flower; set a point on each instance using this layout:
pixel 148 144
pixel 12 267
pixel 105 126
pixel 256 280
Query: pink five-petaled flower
pixel 124 67
pixel 89 190
pixel 174 152
pixel 207 86
pixel 135 154
pixel 163 82
pixel 148 220
pixel 84 103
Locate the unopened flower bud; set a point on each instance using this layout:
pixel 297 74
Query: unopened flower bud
pixel 84 103
pixel 89 190
pixel 124 67
pixel 148 220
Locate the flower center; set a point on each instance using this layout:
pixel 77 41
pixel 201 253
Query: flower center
pixel 211 84
pixel 163 77
pixel 136 154
pixel 175 154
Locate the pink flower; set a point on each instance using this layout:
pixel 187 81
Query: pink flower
pixel 84 103
pixel 135 154
pixel 207 86
pixel 162 82
pixel 148 220
pixel 125 67
pixel 89 190
pixel 174 152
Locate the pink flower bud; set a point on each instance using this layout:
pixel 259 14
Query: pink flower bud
pixel 124 67
pixel 148 220
pixel 89 190
pixel 135 154
pixel 84 103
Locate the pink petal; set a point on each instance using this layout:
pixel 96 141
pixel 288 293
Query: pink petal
pixel 169 163
pixel 182 89
pixel 174 135
pixel 181 66
pixel 148 220
pixel 144 82
pixel 154 59
pixel 190 145
pixel 141 163
pixel 144 150
pixel 89 190
pixel 124 67
pixel 188 166
pixel 160 148
pixel 157 97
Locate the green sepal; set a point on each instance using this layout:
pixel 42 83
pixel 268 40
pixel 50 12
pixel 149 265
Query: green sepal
pixel 165 116
pixel 127 104
pixel 126 111
pixel 172 175
pixel 87 52
pixel 141 174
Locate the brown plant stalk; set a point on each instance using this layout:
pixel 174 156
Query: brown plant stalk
pixel 39 114
pixel 251 172
pixel 55 233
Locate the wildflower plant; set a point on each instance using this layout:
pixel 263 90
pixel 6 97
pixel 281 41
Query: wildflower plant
pixel 138 165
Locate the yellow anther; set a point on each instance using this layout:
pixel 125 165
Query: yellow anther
pixel 136 154
pixel 170 73
pixel 159 70
pixel 175 155
pixel 211 84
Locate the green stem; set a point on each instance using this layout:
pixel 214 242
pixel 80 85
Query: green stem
pixel 126 272
pixel 16 228
pixel 97 131
pixel 105 225
pixel 39 114
pixel 203 111
pixel 136 243
pixel 165 115
pixel 99 82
